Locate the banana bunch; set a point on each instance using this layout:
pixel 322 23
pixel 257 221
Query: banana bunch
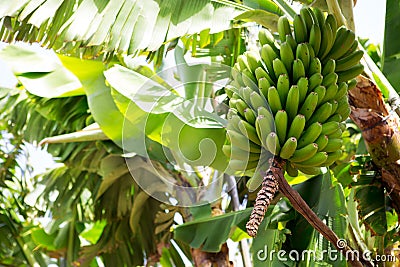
pixel 290 98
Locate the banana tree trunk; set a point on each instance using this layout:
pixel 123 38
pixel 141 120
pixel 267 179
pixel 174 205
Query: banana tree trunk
pixel 379 126
pixel 210 259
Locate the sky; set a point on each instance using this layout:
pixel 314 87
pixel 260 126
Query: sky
pixel 369 17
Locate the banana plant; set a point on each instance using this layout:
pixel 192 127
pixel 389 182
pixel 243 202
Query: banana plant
pixel 86 100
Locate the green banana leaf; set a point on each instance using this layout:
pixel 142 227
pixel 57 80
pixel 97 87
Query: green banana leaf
pixel 40 72
pixel 113 26
pixel 328 202
pixel 210 233
pixel 165 117
pixel 391 44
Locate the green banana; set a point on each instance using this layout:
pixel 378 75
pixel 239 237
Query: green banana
pixel 248 78
pixel 335 105
pixel 298 70
pixel 274 100
pixel 291 171
pixel 240 105
pixel 300 29
pixel 263 86
pixel 290 40
pixel 326 40
pixel 237 75
pixel 335 117
pixel 332 157
pixel 283 28
pixel 297 126
pixel 272 143
pixel 305 153
pixel 253 60
pixel 281 125
pixel 330 79
pixel 309 170
pixel 268 55
pixel 320 90
pixel 309 105
pixel 343 126
pixel 310 134
pixel 242 60
pixel 350 73
pixel 303 54
pixel 353 48
pixel 279 67
pixel 315 38
pixel 244 93
pixel 329 127
pixel 342 44
pixel 349 61
pixel 322 141
pixel 314 81
pixel 333 144
pixel 249 131
pixel 315 161
pixel 331 20
pixel 319 17
pixel 240 165
pixel 234 152
pixel 250 115
pixel 283 86
pixel 315 66
pixel 288 148
pixel 331 92
pixel 343 110
pixel 351 84
pixel 265 37
pixel 234 120
pixel 321 114
pixel 336 134
pixel 263 128
pixel 302 83
pixel 255 181
pixel 343 104
pixel 263 111
pixel 292 102
pixel 342 90
pixel 257 100
pixel 229 90
pixel 287 55
pixel 241 141
pixel 307 17
pixel 329 67
pixel 262 74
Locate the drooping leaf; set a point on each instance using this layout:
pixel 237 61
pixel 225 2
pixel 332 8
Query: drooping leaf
pixel 50 79
pixel 210 233
pixel 179 124
pixel 264 18
pixel 93 27
pixel 267 5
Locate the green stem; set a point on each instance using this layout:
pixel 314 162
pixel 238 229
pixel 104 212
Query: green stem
pixel 71 235
pixel 334 9
pixel 286 8
pixel 347 10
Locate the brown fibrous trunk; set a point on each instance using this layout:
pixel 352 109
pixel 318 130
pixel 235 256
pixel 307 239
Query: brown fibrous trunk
pixel 379 127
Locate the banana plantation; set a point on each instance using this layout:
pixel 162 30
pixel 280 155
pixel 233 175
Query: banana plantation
pixel 198 133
